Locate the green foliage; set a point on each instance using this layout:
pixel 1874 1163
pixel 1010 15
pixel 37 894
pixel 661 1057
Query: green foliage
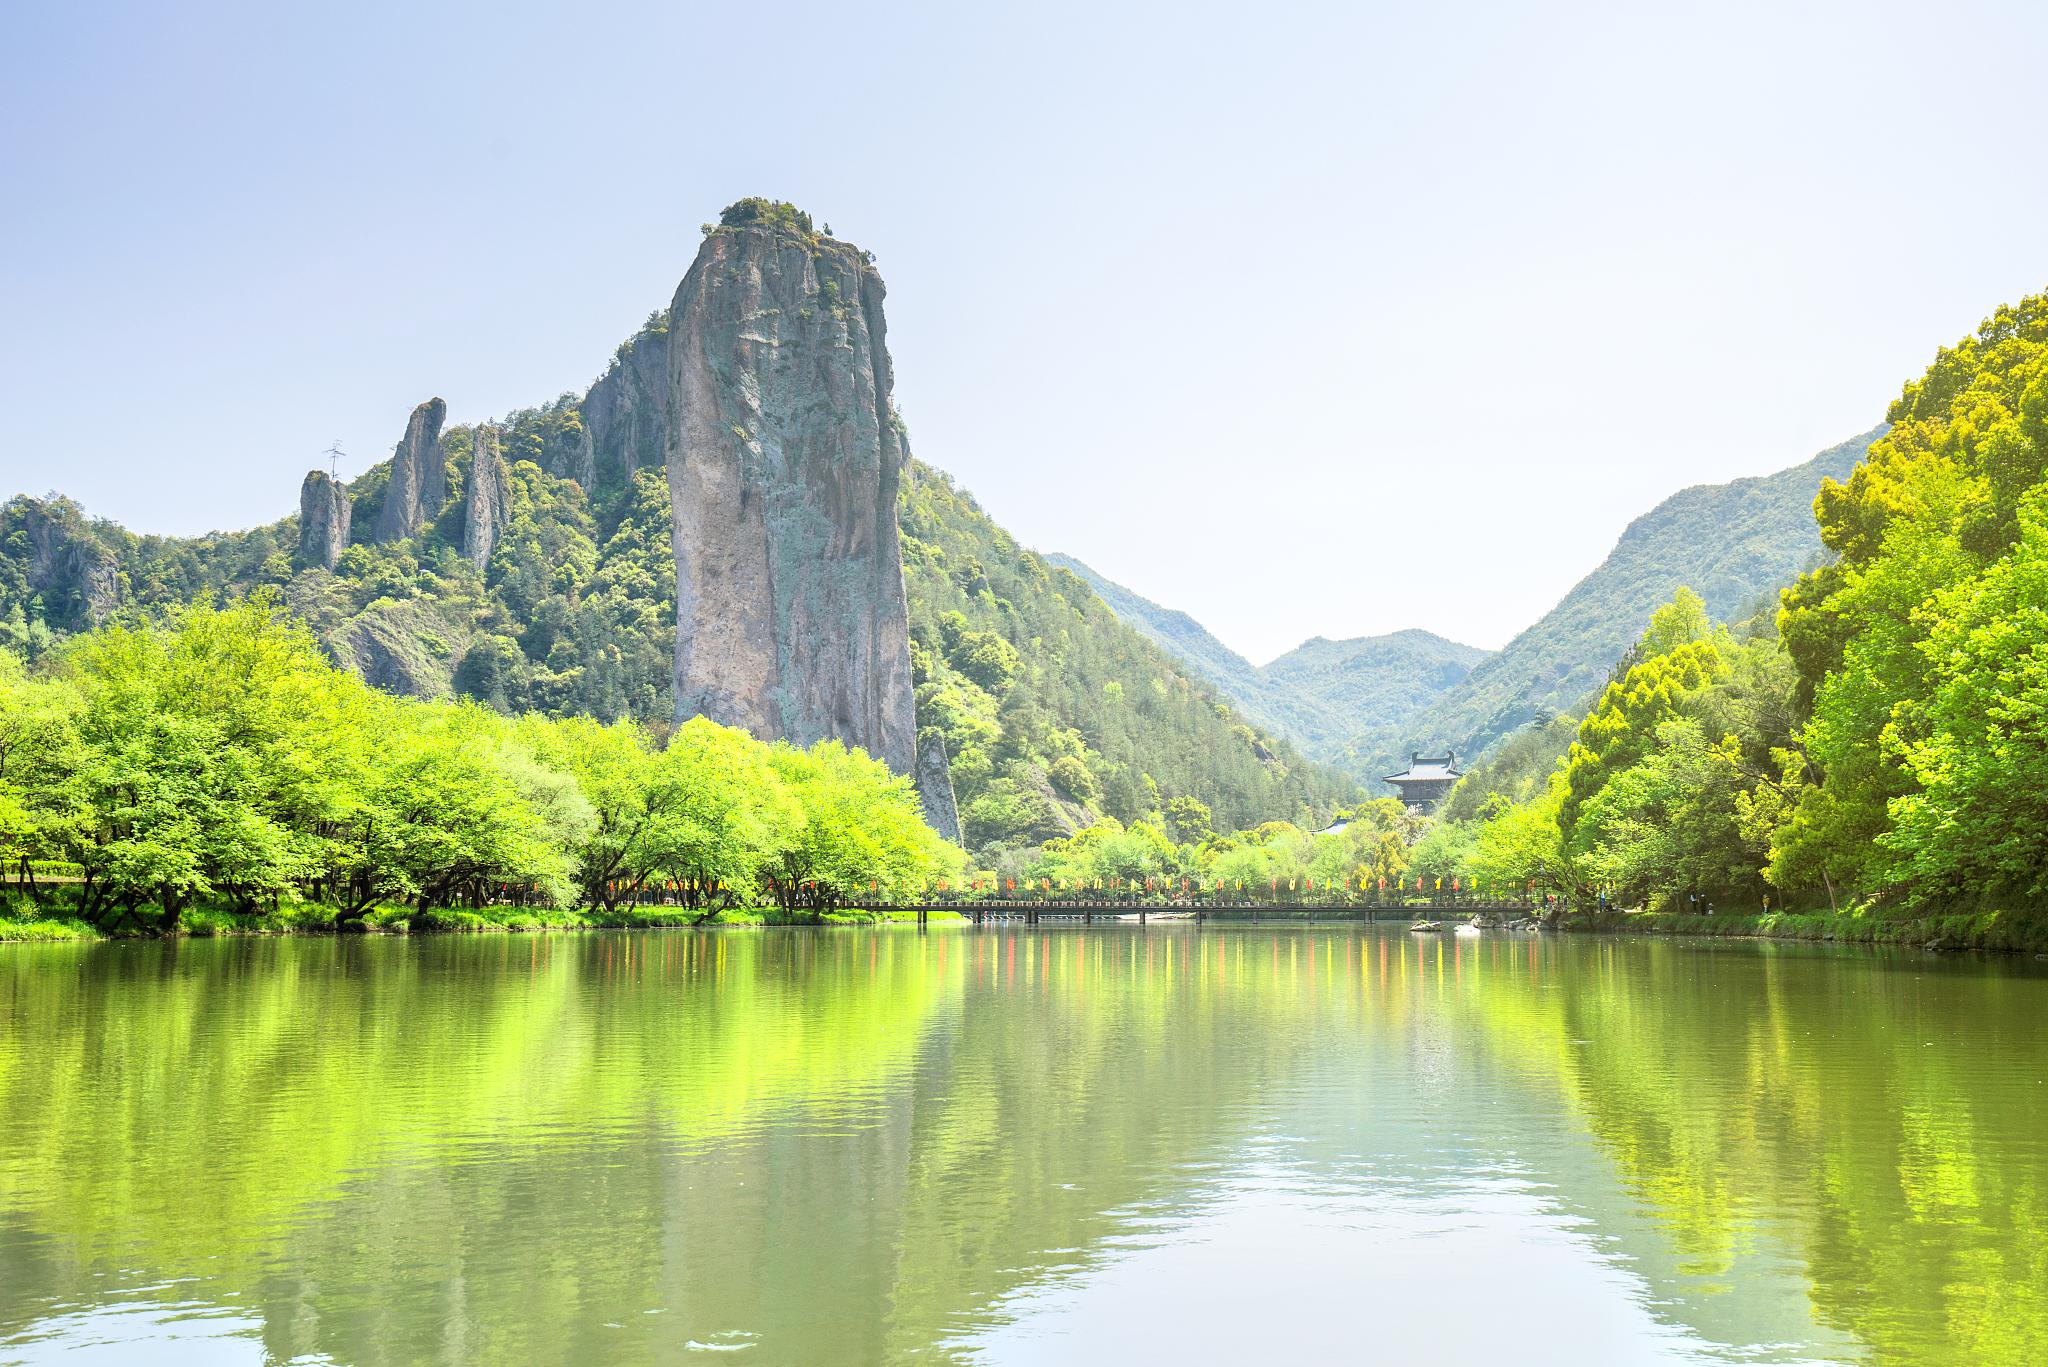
pixel 771 213
pixel 1056 713
pixel 1372 846
pixel 222 759
pixel 1188 819
pixel 1918 646
pixel 1669 789
pixel 1517 771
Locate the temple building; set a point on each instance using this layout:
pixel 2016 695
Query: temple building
pixel 1427 781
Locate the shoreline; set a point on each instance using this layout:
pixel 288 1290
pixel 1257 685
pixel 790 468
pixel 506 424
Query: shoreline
pixel 514 921
pixel 1990 932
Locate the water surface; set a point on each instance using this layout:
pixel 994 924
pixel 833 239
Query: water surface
pixel 1020 1146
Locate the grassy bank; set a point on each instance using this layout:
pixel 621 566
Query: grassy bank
pixel 2001 930
pixel 205 922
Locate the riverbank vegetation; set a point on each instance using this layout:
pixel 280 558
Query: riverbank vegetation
pixel 218 766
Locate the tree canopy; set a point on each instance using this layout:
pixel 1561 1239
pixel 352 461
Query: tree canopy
pixel 220 757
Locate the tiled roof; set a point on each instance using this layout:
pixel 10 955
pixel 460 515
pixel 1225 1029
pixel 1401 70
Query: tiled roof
pixel 1423 770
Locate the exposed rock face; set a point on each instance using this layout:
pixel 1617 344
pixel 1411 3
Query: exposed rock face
pixel 324 508
pixel 784 455
pixel 626 413
pixel 489 498
pixel 419 476
pixel 78 578
pixel 934 779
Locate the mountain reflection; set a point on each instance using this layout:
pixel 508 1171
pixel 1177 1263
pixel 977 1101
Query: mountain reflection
pixel 1015 1145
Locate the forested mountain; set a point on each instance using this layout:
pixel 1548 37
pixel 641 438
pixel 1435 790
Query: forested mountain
pixel 1280 707
pixel 1052 709
pixel 1734 544
pixel 1365 705
pixel 1371 682
pixel 1879 742
pixel 1322 694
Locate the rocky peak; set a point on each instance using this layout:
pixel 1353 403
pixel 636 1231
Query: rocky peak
pixel 489 497
pixel 78 578
pixel 324 510
pixel 419 476
pixel 784 456
pixel 625 414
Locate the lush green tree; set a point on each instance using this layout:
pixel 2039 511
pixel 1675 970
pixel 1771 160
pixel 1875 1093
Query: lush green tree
pixel 1187 819
pixel 1892 641
pixel 1975 817
pixel 862 830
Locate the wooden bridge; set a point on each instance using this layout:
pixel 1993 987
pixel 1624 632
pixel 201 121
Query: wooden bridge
pixel 1032 910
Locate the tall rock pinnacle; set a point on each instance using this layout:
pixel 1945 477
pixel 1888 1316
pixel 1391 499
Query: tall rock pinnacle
pixel 488 499
pixel 784 455
pixel 324 509
pixel 419 476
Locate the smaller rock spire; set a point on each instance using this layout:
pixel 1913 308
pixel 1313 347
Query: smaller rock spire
pixel 419 476
pixel 934 781
pixel 489 498
pixel 324 511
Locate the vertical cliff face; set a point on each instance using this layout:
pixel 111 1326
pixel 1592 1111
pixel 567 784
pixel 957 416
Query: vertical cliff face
pixel 324 509
pixel 784 457
pixel 934 780
pixel 419 476
pixel 626 413
pixel 78 579
pixel 488 497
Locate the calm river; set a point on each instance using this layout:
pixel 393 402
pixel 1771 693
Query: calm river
pixel 1309 1144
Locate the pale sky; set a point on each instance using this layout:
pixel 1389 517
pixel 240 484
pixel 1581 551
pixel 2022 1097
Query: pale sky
pixel 1253 307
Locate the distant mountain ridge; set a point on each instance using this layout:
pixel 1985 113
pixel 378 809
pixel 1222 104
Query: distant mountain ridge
pixel 1390 677
pixel 1734 544
pixel 1366 704
pixel 1323 694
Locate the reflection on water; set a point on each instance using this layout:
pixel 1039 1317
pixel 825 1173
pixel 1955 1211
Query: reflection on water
pixel 1109 1145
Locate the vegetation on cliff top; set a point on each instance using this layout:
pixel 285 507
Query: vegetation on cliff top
pixel 754 210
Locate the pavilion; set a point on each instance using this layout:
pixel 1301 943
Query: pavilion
pixel 1427 782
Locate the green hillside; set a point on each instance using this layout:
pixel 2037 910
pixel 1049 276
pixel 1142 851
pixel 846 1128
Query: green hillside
pixel 1322 694
pixel 1733 544
pixel 1370 682
pixel 1292 714
pixel 1363 705
pixel 1054 708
